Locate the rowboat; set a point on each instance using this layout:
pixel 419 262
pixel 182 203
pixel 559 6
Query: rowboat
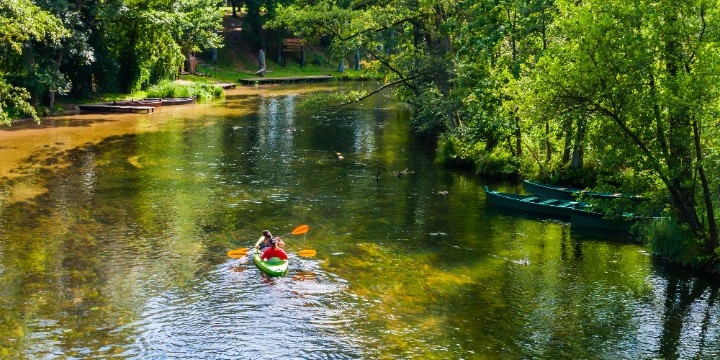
pixel 105 107
pixel 579 213
pixel 273 266
pixel 595 220
pixel 565 193
pixel 149 102
pixel 534 204
pixel 175 101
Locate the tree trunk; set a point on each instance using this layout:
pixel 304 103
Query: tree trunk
pixel 578 152
pixel 30 66
pixel 712 242
pixel 680 162
pixel 548 148
pixel 518 137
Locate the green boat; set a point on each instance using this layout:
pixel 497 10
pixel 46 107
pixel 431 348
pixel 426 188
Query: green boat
pixel 566 193
pixel 579 213
pixel 273 266
pixel 534 204
pixel 595 220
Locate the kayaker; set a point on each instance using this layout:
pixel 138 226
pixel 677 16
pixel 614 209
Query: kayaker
pixel 274 251
pixel 264 241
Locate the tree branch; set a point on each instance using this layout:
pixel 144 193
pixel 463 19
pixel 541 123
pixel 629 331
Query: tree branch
pixel 397 72
pixel 377 91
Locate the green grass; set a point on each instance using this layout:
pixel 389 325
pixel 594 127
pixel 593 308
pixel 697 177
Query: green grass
pixel 223 74
pixel 201 91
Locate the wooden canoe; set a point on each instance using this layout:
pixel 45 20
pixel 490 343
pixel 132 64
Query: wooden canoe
pixel 174 101
pixel 579 213
pixel 534 204
pixel 567 193
pixel 152 103
pixel 595 220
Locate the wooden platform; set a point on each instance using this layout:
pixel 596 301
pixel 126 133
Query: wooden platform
pixel 116 108
pixel 282 80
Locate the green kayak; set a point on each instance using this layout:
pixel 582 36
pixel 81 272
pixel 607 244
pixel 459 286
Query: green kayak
pixel 273 266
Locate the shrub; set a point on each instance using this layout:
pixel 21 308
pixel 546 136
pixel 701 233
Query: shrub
pixel 669 239
pixel 202 92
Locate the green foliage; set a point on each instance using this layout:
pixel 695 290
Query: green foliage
pixel 431 115
pixel 202 92
pixel 14 99
pixel 20 22
pixel 452 150
pixel 667 238
pixel 111 45
pixel 499 165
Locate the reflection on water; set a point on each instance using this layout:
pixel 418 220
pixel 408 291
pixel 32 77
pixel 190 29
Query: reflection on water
pixel 114 237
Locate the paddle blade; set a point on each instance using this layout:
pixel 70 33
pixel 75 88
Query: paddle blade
pixel 307 253
pixel 238 252
pixel 300 230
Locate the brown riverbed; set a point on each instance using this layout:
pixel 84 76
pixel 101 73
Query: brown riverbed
pixel 27 147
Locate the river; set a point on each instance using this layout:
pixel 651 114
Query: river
pixel 114 232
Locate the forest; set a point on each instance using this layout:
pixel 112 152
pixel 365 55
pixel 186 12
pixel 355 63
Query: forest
pixel 612 95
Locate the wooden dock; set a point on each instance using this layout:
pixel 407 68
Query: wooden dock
pixel 283 80
pixel 116 108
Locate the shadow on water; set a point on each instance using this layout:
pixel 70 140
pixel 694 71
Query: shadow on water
pixel 688 312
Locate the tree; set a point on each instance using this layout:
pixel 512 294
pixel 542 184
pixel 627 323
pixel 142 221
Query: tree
pixel 20 22
pixel 644 77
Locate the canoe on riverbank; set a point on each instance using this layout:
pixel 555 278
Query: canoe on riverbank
pixel 116 108
pixel 595 220
pixel 174 101
pixel 146 102
pixel 534 204
pixel 578 213
pixel 567 193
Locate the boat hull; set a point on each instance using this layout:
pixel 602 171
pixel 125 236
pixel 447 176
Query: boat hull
pixel 578 213
pixel 534 204
pixel 588 219
pixel 150 103
pixel 174 101
pixel 272 267
pixel 564 193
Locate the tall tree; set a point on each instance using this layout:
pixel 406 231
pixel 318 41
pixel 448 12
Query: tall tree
pixel 20 23
pixel 642 74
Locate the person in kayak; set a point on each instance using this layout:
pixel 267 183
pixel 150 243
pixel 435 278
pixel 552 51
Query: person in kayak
pixel 264 242
pixel 274 251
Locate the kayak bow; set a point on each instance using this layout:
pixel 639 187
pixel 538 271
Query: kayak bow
pixel 273 266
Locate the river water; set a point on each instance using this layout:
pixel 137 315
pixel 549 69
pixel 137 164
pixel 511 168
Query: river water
pixel 114 232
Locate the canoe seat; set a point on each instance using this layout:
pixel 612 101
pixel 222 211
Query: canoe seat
pixel 531 199
pixel 571 204
pixel 551 202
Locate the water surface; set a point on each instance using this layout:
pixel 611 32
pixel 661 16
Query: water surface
pixel 114 231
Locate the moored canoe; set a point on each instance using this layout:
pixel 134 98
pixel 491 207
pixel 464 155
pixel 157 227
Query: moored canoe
pixel 566 193
pixel 534 204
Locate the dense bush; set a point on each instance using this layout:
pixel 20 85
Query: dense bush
pixel 202 92
pixel 668 239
